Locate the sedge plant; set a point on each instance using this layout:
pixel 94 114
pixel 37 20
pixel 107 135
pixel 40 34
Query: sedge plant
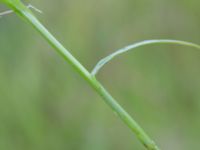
pixel 25 13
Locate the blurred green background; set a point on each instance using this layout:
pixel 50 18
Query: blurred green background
pixel 46 105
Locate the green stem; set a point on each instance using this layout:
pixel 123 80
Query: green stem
pixel 26 14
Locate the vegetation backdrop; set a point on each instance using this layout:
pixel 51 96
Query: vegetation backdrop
pixel 45 105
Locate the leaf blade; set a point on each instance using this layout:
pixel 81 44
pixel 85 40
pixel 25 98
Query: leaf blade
pixel 108 58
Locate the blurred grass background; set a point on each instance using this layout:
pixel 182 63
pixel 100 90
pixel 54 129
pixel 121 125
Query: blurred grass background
pixel 45 105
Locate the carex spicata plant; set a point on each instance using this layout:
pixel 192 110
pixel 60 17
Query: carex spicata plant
pixel 24 12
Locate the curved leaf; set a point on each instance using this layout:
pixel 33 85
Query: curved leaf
pixel 108 58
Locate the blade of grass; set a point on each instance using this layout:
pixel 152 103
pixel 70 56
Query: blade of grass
pixel 108 58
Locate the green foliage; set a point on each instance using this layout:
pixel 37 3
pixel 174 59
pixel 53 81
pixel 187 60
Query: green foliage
pixel 125 117
pixel 86 75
